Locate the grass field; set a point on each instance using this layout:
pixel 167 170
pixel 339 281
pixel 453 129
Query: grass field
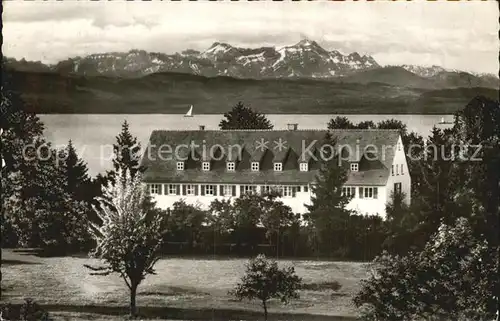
pixel 182 289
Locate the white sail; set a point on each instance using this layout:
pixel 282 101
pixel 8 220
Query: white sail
pixel 190 112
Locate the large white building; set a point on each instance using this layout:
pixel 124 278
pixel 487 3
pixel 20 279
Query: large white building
pixel 202 165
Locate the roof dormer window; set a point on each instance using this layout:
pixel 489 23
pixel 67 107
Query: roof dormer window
pixel 205 166
pixel 255 166
pixel 230 166
pixel 354 167
pixel 278 167
pixel 180 166
pixel 304 167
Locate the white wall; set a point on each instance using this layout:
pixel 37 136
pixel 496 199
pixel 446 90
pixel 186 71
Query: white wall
pixel 404 179
pixel 165 201
pixel 370 206
pixel 297 204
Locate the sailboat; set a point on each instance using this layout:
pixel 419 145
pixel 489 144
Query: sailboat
pixel 443 122
pixel 190 112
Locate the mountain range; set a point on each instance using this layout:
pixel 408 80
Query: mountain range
pixel 305 59
pixel 301 78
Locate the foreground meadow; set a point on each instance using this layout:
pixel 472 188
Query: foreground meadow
pixel 184 288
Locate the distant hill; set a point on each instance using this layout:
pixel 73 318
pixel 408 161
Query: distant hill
pixel 50 92
pixel 395 76
pixel 402 77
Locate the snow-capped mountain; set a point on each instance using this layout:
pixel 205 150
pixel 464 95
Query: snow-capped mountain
pixel 305 59
pixel 424 71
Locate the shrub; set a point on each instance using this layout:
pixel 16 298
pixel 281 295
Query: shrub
pixel 263 280
pixel 28 311
pixel 453 278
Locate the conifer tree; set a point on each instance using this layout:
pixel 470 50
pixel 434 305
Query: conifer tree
pixel 327 213
pixel 78 181
pixel 127 151
pixel 35 202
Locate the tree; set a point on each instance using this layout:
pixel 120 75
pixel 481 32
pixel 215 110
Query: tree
pixel 264 280
pixel 368 124
pixel 40 210
pixel 400 225
pixel 453 278
pixel 221 220
pixel 20 129
pixel 130 237
pixel 242 117
pixel 35 202
pixel 477 129
pixel 393 124
pixel 78 180
pixel 127 152
pixel 247 215
pixel 340 122
pixel 276 217
pixel 327 213
pixel 185 223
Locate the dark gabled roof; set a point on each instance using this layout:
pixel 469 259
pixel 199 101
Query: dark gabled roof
pixel 280 156
pixel 374 176
pixel 161 168
pixel 358 139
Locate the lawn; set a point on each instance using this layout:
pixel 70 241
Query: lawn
pixel 184 288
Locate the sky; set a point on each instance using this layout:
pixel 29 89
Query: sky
pixel 455 35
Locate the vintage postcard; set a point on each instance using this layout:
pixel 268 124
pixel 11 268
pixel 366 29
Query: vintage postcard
pixel 250 160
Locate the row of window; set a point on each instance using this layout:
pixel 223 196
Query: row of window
pixel 254 166
pixel 397 169
pixel 363 192
pixel 222 190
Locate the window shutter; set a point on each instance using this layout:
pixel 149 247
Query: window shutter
pixel 215 189
pixel 353 192
pixel 361 192
pixel 241 190
pixel 221 189
pixel 294 191
pixel 195 189
pixel 202 192
pixel 375 192
pixel 234 190
pixel 183 189
pixel 178 189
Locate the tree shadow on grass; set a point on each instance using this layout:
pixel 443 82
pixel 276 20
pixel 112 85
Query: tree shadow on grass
pixel 17 262
pixel 190 314
pixel 174 291
pixel 322 286
pixel 50 253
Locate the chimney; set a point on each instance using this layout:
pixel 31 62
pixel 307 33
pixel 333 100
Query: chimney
pixel 202 127
pixel 292 126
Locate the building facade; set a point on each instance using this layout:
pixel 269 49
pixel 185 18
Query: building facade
pixel 200 166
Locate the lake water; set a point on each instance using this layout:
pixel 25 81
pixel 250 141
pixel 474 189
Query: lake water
pixel 93 134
